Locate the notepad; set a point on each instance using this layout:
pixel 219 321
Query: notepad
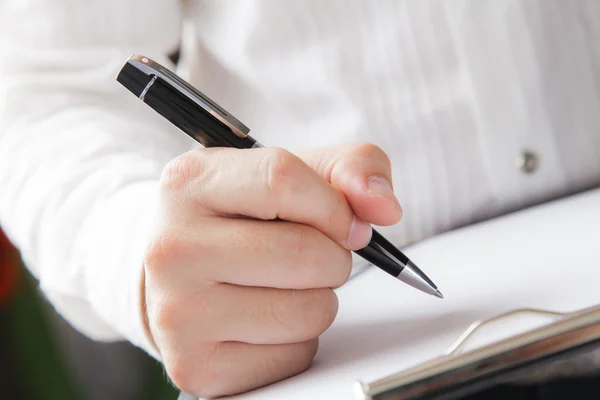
pixel 544 257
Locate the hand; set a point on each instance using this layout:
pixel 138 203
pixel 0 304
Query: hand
pixel 247 248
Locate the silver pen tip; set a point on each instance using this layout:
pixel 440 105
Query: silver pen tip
pixel 438 294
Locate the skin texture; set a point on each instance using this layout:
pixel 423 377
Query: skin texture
pixel 247 247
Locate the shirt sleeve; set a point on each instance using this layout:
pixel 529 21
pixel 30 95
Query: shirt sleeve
pixel 80 156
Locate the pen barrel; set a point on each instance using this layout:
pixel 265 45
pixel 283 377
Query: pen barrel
pixel 377 257
pixel 212 126
pixel 191 118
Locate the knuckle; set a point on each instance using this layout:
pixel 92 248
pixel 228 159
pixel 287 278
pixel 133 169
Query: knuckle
pixel 184 171
pixel 321 309
pixel 328 307
pixel 198 375
pixel 372 151
pixel 309 351
pixel 170 313
pixel 177 172
pixel 164 317
pixel 302 353
pixel 180 374
pixel 320 262
pixel 317 309
pixel 163 249
pixel 278 165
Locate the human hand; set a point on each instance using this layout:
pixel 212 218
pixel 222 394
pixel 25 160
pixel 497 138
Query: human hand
pixel 247 248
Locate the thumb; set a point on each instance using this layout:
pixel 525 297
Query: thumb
pixel 363 172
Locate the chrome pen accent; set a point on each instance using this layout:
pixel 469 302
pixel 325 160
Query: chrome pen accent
pixel 413 276
pixel 143 94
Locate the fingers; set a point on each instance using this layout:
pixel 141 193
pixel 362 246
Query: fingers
pixel 271 316
pixel 363 172
pixel 354 180
pixel 245 252
pixel 235 303
pixel 230 368
pixel 265 184
pixel 223 312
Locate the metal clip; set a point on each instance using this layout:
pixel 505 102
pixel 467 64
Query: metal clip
pixel 462 340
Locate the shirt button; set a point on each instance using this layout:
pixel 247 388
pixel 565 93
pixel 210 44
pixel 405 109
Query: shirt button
pixel 528 162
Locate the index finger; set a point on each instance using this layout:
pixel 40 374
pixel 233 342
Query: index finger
pixel 267 184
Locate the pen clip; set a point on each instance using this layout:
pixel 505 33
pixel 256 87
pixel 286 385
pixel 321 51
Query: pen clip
pixel 475 326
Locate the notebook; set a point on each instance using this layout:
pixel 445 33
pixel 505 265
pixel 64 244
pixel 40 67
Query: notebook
pixel 543 257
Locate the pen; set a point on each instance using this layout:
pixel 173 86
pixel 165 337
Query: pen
pixel 209 124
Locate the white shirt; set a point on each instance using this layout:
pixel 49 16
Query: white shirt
pixel 453 91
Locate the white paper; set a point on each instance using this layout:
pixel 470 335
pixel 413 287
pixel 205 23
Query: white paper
pixel 544 257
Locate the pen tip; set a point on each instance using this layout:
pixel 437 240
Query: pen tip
pixel 438 294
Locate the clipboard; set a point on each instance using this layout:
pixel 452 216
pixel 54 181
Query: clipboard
pixel 459 373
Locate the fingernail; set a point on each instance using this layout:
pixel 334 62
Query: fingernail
pixel 360 234
pixel 381 187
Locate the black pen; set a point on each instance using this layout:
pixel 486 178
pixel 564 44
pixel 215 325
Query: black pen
pixel 209 124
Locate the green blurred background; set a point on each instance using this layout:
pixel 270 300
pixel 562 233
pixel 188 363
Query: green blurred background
pixel 43 357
